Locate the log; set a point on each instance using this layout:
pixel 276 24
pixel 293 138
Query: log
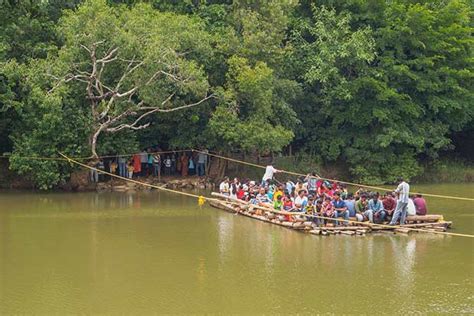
pixel 298 225
pixel 341 228
pixel 424 218
pixel 402 230
pixel 430 223
pixel 437 224
pixel 347 232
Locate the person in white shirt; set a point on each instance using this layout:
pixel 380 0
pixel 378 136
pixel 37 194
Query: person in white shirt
pixel 300 201
pixel 224 187
pixel 269 171
pixel 411 209
pixel 403 191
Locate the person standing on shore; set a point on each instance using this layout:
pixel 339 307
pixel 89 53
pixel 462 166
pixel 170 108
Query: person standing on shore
pixel 403 191
pixel 143 162
pixel 201 163
pixel 184 164
pixel 122 166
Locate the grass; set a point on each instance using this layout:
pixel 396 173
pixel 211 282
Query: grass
pixel 451 170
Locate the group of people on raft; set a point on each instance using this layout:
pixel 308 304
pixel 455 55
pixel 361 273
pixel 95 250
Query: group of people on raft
pixel 324 201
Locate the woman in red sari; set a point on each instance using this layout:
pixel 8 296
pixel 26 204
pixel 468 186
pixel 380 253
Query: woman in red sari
pixel 184 164
pixel 137 165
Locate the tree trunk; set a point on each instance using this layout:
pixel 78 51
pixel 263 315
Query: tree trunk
pixel 93 142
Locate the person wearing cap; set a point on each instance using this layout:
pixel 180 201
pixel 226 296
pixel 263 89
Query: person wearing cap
pixel 403 191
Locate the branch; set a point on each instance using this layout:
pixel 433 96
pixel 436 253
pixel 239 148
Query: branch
pixel 177 108
pixel 135 125
pixel 65 79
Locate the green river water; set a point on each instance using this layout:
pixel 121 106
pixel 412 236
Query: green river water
pixel 150 252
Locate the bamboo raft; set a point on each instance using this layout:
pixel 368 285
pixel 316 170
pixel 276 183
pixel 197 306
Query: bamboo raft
pixel 428 223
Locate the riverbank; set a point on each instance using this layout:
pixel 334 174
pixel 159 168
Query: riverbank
pixel 444 171
pixel 79 182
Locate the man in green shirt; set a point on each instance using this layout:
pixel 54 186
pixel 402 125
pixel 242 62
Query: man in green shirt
pixel 361 207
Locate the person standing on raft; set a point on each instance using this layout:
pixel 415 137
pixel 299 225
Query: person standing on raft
pixel 269 171
pixel 403 191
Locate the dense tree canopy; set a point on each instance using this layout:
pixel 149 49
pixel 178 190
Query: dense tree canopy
pixel 381 87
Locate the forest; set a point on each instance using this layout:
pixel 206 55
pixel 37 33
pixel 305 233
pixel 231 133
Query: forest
pixel 382 88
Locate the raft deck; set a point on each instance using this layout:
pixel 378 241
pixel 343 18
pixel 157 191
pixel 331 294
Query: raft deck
pixel 428 223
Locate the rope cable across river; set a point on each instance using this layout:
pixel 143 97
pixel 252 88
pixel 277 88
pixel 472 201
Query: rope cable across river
pixel 202 198
pixel 240 162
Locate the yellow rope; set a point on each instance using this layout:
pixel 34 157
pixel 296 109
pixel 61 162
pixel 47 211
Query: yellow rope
pixel 202 199
pixel 71 160
pixel 370 225
pixel 245 163
pixel 333 180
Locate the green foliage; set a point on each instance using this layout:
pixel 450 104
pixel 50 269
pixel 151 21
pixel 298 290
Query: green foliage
pixel 246 118
pixel 382 88
pixel 46 125
pixel 384 112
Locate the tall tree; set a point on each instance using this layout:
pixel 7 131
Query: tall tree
pixel 131 64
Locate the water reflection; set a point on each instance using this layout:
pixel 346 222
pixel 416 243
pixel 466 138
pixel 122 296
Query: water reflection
pixel 147 253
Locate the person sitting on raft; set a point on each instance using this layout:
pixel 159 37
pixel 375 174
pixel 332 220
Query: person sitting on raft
pixel 224 187
pixel 287 206
pixel 389 204
pixel 300 201
pixel 420 205
pixel 350 204
pixel 361 207
pixel 340 209
pixel 309 208
pixel 318 211
pixel 327 208
pixel 279 192
pixel 262 198
pixel 375 209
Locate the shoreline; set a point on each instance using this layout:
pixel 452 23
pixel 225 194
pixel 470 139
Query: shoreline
pixel 443 173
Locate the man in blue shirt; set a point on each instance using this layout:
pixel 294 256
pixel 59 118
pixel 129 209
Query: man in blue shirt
pixel 340 208
pixel 350 204
pixel 375 209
